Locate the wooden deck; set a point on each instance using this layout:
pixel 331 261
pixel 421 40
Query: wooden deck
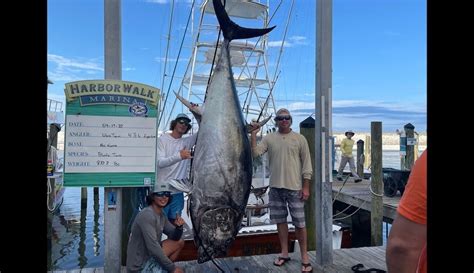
pixel 359 195
pixel 343 259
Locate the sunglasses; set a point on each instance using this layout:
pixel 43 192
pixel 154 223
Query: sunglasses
pixel 183 121
pixel 163 194
pixel 280 118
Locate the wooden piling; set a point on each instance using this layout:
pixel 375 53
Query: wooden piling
pixel 376 215
pixel 367 153
pixel 95 229
pixel 307 130
pixel 411 140
pixel 83 197
pixel 360 158
pixel 81 250
pixel 127 213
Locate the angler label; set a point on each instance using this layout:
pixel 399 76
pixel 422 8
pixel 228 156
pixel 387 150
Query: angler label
pixel 110 144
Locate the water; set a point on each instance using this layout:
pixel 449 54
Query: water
pixel 78 236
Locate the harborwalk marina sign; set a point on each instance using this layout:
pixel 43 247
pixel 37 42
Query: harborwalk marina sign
pixel 110 133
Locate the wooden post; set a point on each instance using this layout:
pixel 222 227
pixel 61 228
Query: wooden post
pixel 53 135
pixel 113 71
pixel 367 152
pixel 127 212
pixel 81 250
pixel 323 134
pixel 360 158
pixel 410 156
pixel 95 229
pixel 307 130
pixel 376 212
pixel 83 197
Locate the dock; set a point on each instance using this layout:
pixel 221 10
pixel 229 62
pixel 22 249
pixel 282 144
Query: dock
pixel 343 260
pixel 359 195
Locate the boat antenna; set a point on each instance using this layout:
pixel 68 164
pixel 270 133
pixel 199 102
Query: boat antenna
pixel 176 64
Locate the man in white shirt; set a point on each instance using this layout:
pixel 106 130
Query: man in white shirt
pixel 174 154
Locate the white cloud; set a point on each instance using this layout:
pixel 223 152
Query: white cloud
pixel 298 40
pixel 290 42
pixel 167 1
pixel 394 106
pixel 157 1
pixel 61 68
pixel 70 63
pixel 358 114
pixel 278 44
pixel 391 33
pixel 170 60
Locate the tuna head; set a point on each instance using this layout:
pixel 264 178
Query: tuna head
pixel 217 231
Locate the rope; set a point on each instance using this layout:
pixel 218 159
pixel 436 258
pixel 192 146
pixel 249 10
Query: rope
pixel 47 197
pixel 344 183
pixel 376 194
pixel 360 206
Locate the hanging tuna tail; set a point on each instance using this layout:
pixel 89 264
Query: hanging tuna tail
pixel 233 31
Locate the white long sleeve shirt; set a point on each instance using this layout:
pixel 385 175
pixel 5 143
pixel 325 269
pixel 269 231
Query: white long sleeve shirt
pixel 170 164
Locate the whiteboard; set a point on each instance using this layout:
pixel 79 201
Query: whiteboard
pixel 109 144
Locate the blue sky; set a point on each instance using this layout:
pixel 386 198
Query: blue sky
pixel 379 54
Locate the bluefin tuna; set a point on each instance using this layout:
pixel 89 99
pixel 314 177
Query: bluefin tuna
pixel 222 164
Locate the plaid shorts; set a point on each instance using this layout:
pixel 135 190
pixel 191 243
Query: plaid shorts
pixel 279 199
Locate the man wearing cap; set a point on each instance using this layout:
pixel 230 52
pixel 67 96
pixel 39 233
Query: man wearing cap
pixel 290 175
pixel 346 156
pixel 174 154
pixel 145 251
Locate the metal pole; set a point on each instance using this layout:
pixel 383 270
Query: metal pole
pixel 323 133
pixel 113 196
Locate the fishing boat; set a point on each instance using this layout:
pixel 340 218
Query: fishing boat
pixel 54 175
pixel 252 74
pixel 254 82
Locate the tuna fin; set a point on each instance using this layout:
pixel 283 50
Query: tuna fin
pixel 250 128
pixel 233 31
pixel 194 108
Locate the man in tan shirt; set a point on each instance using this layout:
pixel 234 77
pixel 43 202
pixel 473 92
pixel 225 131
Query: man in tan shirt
pixel 290 175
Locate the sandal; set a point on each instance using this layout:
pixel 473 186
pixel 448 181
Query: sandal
pixel 281 261
pixel 305 268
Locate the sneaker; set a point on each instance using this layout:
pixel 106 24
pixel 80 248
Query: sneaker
pixel 357 180
pixel 339 178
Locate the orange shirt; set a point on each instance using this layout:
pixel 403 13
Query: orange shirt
pixel 413 202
